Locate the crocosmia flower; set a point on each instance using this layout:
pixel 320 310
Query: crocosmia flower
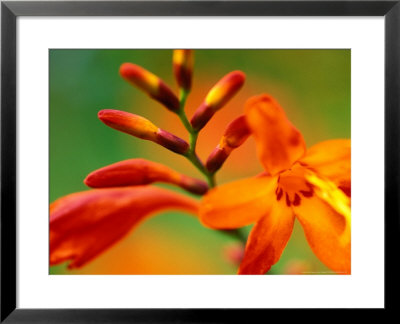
pixel 311 185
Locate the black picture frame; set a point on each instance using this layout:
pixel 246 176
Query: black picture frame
pixel 10 10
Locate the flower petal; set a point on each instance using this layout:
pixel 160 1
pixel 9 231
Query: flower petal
pixel 327 228
pixel 267 240
pixel 331 159
pixel 238 203
pixel 84 224
pixel 279 143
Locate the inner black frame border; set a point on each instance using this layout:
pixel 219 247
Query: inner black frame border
pixel 11 10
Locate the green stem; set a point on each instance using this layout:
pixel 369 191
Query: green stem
pixel 193 140
pixel 193 134
pixel 183 94
pixel 194 159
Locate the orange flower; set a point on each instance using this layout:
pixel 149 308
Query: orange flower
pixel 85 224
pixel 312 185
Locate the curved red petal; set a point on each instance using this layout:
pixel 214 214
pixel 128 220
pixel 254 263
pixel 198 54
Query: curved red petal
pixel 267 240
pixel 84 224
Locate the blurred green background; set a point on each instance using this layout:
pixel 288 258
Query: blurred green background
pixel 313 86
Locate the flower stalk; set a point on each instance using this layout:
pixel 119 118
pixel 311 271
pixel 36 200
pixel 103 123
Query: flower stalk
pixel 195 160
pixel 193 134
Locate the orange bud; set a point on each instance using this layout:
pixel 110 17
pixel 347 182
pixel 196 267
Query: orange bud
pixel 235 135
pixel 142 128
pixel 217 97
pixel 136 172
pixel 183 67
pixel 150 84
pixel 135 125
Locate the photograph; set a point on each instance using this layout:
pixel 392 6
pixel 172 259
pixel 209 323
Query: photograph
pixel 195 161
pixel 200 161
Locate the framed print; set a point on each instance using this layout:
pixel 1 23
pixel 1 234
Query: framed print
pixel 261 137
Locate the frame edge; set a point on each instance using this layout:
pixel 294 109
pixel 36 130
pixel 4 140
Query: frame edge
pixel 8 161
pixel 392 150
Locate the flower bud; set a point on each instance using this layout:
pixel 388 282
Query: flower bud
pixel 135 172
pixel 171 142
pixel 142 128
pixel 182 61
pixel 235 135
pixel 217 97
pixel 150 84
pixel 193 185
pixel 135 125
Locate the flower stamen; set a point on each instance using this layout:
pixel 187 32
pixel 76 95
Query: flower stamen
pixel 287 200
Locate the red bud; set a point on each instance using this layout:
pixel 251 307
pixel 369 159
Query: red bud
pixel 235 135
pixel 135 172
pixel 183 68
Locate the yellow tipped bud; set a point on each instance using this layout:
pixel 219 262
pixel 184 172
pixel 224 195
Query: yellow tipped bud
pixel 135 125
pixel 151 84
pixel 217 97
pixel 182 61
pixel 142 128
pixel 225 89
